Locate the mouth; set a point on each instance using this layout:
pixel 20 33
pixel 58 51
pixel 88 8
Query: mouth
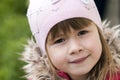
pixel 79 60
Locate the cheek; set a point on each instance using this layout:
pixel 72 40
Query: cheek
pixel 57 57
pixel 97 48
pixel 93 44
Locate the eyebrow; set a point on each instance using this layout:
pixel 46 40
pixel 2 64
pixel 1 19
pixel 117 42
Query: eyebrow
pixel 58 35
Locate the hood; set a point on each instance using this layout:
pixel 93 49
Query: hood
pixel 37 66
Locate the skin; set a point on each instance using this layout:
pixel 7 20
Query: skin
pixel 77 52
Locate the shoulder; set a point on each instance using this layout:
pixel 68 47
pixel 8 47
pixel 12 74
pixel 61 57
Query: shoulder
pixel 116 76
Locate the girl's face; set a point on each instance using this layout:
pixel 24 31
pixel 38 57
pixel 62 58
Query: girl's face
pixel 77 52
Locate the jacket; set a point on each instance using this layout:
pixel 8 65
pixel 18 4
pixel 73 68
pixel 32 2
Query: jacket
pixel 37 67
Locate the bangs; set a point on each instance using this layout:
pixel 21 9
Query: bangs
pixel 66 25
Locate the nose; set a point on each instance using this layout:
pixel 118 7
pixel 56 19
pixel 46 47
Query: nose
pixel 75 46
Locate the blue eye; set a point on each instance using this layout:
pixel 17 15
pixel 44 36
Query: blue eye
pixel 83 32
pixel 59 41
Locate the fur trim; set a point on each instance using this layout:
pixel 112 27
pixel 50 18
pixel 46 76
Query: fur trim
pixel 38 68
pixel 112 36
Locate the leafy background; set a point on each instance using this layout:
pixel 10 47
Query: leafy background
pixel 14 32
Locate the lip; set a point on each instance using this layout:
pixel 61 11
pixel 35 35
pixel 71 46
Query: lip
pixel 80 60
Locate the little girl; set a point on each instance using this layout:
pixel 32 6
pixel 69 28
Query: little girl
pixel 71 43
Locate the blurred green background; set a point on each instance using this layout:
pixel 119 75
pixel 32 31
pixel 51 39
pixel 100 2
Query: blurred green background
pixel 14 32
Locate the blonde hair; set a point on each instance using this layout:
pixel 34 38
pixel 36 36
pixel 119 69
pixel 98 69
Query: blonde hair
pixel 105 65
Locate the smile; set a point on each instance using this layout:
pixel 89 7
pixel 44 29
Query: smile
pixel 80 60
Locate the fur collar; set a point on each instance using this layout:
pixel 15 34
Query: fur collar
pixel 37 66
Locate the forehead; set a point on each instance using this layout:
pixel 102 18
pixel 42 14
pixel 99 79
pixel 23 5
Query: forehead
pixel 66 25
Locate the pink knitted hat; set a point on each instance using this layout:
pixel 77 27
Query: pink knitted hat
pixel 44 14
